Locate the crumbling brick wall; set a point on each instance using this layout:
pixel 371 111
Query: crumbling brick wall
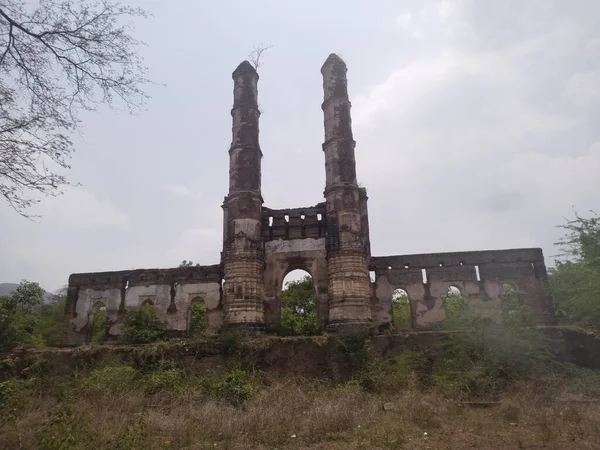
pixel 478 275
pixel 171 291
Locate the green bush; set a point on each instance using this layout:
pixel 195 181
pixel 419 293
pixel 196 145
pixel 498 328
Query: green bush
pixel 231 342
pixel 109 380
pixel 163 380
pixel 198 320
pixel 65 429
pixel 99 327
pixel 133 435
pixel 487 356
pixel 234 387
pixel 354 346
pixel 143 327
pixel 394 374
pixel 12 393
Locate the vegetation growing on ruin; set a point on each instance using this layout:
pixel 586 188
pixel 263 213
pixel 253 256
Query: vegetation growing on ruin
pixel 197 326
pixel 401 315
pixel 143 327
pixel 299 309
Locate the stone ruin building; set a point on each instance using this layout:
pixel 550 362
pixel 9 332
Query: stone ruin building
pixel 329 240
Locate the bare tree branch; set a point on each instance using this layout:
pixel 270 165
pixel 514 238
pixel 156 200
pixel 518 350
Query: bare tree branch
pixel 55 60
pixel 257 53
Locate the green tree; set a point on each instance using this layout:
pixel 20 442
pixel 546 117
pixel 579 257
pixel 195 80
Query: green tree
pixel 186 263
pixel 401 315
pixel 298 312
pixel 19 315
pixel 51 326
pixel 575 279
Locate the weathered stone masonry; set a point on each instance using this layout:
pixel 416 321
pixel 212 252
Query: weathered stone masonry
pixel 329 240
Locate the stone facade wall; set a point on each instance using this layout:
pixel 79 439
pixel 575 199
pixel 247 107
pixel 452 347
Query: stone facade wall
pixel 171 291
pixel 478 275
pixel 294 223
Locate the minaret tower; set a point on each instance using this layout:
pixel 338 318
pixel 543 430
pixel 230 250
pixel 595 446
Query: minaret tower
pixel 347 235
pixel 243 255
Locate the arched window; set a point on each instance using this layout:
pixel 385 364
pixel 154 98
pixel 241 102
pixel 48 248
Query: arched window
pixel 298 305
pixel 453 302
pixel 401 315
pixel 98 322
pixel 197 325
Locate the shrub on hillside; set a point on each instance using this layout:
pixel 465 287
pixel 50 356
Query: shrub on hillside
pixel 407 370
pixel 163 380
pixel 109 380
pixel 487 356
pixel 234 387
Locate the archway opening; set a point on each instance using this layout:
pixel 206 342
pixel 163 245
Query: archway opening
pixel 298 305
pixel 197 324
pixel 454 303
pixel 98 321
pixel 401 314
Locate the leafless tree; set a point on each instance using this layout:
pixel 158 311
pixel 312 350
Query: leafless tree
pixel 56 59
pixel 257 53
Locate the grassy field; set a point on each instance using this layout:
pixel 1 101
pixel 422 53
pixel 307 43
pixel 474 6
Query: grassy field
pixel 119 407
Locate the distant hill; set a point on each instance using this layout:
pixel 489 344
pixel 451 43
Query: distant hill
pixel 8 288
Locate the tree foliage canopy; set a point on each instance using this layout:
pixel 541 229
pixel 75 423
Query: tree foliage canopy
pixel 575 279
pixel 57 59
pixel 20 312
pixel 299 308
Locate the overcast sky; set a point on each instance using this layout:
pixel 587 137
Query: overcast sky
pixel 476 122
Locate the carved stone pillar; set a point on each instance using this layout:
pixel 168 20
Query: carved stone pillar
pixel 243 254
pixel 347 232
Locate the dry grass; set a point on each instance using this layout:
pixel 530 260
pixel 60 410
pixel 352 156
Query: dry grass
pixel 299 414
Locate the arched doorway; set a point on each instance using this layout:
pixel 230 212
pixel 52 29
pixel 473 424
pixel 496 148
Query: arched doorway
pixel 401 313
pixel 454 303
pixel 197 324
pixel 98 321
pixel 298 305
